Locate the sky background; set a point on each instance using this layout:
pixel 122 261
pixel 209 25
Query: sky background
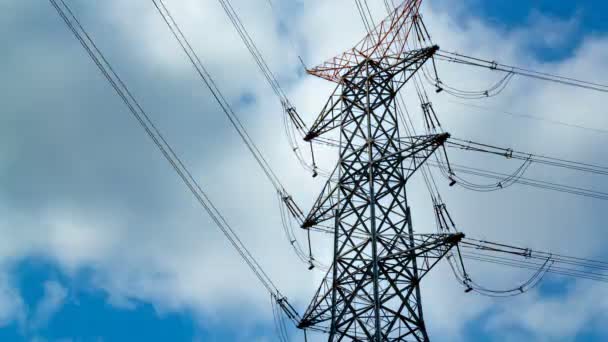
pixel 101 242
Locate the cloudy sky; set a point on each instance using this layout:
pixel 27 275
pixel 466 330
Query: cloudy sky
pixel 101 241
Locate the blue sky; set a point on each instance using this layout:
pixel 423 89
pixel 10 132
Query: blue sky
pixel 508 14
pixel 139 271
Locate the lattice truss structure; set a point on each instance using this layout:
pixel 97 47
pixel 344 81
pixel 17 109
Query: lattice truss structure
pixel 388 40
pixel 371 292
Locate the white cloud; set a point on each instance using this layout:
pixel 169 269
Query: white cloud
pixel 86 189
pixel 53 299
pixel 12 308
pixel 556 318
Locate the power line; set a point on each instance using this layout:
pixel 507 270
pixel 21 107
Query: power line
pixel 454 57
pixel 496 111
pixel 287 202
pixel 547 264
pixel 410 129
pixel 484 245
pixel 363 298
pixel 542 263
pixel 509 153
pixel 502 177
pixel 160 142
pixel 394 220
pixel 217 94
pixel 498 87
pixel 294 125
pixel 508 255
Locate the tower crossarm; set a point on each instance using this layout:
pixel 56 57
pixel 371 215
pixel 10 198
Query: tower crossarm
pixel 428 250
pixel 387 40
pixel 416 150
pixel 396 70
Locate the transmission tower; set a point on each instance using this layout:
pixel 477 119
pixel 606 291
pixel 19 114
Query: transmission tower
pixel 371 292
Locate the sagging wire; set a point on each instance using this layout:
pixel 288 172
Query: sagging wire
pixel 430 116
pixel 294 134
pixel 445 222
pixel 228 111
pixel 304 254
pixel 455 179
pixel 431 120
pixel 526 181
pixel 293 123
pixel 465 279
pixel 494 90
pixel 489 246
pixel 455 57
pixel 509 153
pixel 556 270
pixel 282 311
pixel 456 263
pixel 434 126
pixel 432 76
pixel 527 158
pixel 145 121
pixel 583 268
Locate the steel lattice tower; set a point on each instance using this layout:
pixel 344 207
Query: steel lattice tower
pixel 371 292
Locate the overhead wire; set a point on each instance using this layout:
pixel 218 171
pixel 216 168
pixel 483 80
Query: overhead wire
pixel 490 110
pixel 448 171
pixel 484 245
pixel 465 278
pixel 560 271
pixel 443 219
pixel 504 181
pixel 492 252
pixel 408 124
pixel 278 319
pixel 294 125
pixel 536 183
pixel 509 153
pixel 503 82
pixel 216 93
pixel 454 57
pixel 433 125
pixel 287 200
pixel 144 120
pixel 446 224
pixel 282 24
pixel 527 158
pixel 493 90
pixel 547 266
pixel 542 263
pixel 305 256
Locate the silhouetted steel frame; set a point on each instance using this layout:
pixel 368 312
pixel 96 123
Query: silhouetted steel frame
pixel 365 90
